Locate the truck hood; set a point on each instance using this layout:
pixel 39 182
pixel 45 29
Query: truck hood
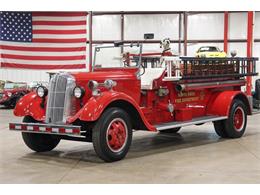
pixel 103 75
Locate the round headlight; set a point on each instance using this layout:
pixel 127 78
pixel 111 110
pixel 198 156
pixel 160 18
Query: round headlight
pixel 42 91
pixel 78 92
pixel 92 85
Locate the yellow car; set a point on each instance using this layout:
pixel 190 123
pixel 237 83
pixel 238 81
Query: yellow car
pixel 210 52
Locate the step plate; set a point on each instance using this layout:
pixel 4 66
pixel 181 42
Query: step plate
pixel 205 119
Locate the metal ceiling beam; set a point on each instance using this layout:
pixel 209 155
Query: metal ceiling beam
pixel 185 35
pixel 194 41
pixel 134 12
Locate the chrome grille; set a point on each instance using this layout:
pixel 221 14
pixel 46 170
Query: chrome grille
pixel 60 98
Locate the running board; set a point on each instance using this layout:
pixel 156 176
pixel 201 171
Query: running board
pixel 195 121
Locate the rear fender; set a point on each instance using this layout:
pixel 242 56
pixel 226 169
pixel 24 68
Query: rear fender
pixel 221 102
pixel 29 105
pixel 96 105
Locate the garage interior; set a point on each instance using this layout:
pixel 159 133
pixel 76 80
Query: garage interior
pixel 194 155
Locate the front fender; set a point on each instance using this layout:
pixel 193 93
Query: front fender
pixel 96 105
pixel 29 105
pixel 220 102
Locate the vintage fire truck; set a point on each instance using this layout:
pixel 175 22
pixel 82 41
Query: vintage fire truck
pixel 140 91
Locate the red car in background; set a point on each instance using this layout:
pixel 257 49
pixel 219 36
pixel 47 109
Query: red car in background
pixel 11 93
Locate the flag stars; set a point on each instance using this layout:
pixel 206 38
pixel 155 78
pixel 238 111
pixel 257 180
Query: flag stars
pixel 16 26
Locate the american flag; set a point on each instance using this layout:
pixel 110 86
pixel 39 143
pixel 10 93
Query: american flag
pixel 43 40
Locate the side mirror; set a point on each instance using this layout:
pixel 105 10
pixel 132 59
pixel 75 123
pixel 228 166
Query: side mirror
pixel 118 43
pixel 148 36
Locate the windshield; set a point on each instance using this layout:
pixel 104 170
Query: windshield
pixel 13 85
pixel 120 56
pixel 208 49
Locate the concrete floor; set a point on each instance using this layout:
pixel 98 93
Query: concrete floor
pixel 196 155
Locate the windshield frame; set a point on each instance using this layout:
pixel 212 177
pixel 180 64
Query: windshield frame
pixel 98 48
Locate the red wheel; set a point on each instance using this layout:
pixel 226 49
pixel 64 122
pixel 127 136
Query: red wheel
pixel 239 119
pixel 235 125
pixel 112 135
pixel 116 135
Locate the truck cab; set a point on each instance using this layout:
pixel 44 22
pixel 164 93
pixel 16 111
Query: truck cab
pixel 136 91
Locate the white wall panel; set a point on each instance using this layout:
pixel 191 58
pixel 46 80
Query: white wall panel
pixel 163 26
pixel 257 26
pixel 239 47
pixel 106 27
pixel 18 75
pixel 206 26
pixel 238 25
pixel 256 53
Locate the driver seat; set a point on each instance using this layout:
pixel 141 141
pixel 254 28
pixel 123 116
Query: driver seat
pixel 149 76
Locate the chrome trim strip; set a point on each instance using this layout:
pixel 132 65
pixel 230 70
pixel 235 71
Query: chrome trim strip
pixel 54 127
pixel 48 125
pixel 44 132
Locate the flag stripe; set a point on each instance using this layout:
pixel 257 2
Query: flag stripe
pixel 59 14
pixel 42 49
pixel 57 23
pixel 60 37
pixel 39 62
pixel 43 66
pixel 59 40
pixel 49 27
pixel 48 18
pixel 41 53
pixel 60 32
pixel 24 57
pixel 26 44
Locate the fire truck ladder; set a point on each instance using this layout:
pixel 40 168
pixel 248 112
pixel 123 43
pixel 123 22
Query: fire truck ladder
pixel 210 68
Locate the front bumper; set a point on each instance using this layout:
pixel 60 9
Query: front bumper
pixel 46 128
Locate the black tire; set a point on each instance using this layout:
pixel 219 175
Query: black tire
pixel 174 130
pixel 235 125
pixel 101 137
pixel 39 142
pixel 220 128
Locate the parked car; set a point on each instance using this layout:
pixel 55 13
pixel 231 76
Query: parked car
pixel 210 52
pixel 104 106
pixel 11 93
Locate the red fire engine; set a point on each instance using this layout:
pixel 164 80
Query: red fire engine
pixel 140 91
